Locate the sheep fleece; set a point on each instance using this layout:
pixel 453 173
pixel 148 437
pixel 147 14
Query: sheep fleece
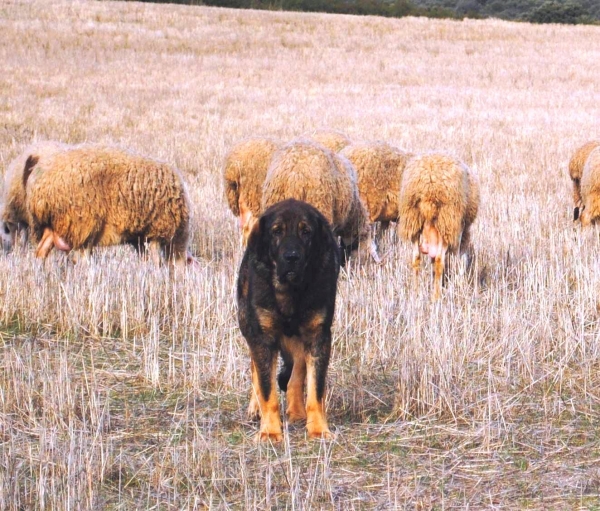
pixel 15 209
pixel 245 171
pixel 590 187
pixel 307 171
pixel 440 189
pixel 105 196
pixel 379 167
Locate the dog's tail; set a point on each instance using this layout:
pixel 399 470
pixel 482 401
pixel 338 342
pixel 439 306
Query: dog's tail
pixel 286 371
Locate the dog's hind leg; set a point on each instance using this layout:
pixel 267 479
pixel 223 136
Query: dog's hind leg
pixel 265 372
pixel 295 371
pixel 253 408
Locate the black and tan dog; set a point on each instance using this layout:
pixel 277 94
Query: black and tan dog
pixel 286 299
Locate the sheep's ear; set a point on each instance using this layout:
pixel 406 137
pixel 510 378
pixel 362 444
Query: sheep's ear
pixel 576 214
pixel 31 162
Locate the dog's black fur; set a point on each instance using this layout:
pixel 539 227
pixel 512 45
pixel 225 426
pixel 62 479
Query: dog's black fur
pixel 287 278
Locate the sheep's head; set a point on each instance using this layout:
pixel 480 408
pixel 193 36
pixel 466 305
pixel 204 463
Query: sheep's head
pixel 12 230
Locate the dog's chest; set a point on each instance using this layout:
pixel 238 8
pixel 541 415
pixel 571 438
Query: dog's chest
pixel 288 311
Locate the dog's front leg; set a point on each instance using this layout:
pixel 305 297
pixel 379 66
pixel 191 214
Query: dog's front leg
pixel 264 359
pixel 317 360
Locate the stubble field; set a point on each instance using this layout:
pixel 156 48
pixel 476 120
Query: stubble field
pixel 123 388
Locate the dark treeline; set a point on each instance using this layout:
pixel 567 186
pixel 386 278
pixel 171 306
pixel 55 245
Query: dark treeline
pixel 535 11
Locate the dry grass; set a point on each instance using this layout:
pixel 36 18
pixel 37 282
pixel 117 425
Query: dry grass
pixel 121 388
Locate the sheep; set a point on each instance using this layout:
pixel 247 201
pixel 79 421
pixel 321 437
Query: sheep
pixel 576 165
pixel 333 140
pixel 307 171
pixel 91 196
pixel 379 167
pixel 15 217
pixel 244 172
pixel 439 199
pixel 590 189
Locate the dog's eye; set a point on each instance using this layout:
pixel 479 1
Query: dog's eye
pixel 277 230
pixel 305 231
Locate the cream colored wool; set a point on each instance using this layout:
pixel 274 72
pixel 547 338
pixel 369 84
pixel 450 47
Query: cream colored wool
pixel 590 188
pixel 379 167
pixel 15 215
pixel 245 171
pixel 99 196
pixel 333 140
pixel 576 165
pixel 307 171
pixel 440 190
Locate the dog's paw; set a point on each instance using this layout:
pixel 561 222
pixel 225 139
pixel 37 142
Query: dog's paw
pixel 321 434
pixel 269 436
pixel 253 412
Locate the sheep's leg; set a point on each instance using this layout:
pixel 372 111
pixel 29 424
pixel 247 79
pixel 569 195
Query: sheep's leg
pixel 247 225
pixel 46 244
pixel 153 252
pixel 371 240
pixel 416 264
pixel 438 269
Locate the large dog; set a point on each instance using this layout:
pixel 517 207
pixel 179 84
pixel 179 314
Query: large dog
pixel 286 298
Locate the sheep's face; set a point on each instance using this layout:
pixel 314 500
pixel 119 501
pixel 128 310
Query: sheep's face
pixel 10 232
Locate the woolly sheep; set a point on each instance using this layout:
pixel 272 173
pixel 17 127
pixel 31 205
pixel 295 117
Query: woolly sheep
pixel 439 199
pixel 99 196
pixel 590 189
pixel 379 167
pixel 245 171
pixel 333 140
pixel 576 165
pixel 307 171
pixel 15 217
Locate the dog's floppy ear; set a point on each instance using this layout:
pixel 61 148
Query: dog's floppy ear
pixel 258 241
pixel 324 242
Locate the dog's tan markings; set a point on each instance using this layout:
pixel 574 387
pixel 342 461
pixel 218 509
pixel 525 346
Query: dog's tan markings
pixel 267 320
pixel 295 389
pixel 254 407
pixel 316 422
pixel 314 322
pixel 284 302
pixel 270 424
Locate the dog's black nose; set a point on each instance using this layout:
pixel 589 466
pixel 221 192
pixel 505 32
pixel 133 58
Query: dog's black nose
pixel 292 256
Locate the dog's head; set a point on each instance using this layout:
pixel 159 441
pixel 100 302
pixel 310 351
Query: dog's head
pixel 294 239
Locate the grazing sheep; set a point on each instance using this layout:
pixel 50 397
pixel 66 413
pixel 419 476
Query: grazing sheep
pixel 15 217
pixel 590 189
pixel 333 140
pixel 307 171
pixel 439 198
pixel 245 171
pixel 91 196
pixel 576 170
pixel 379 167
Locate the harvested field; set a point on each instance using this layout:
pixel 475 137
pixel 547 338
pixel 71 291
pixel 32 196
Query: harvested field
pixel 123 388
